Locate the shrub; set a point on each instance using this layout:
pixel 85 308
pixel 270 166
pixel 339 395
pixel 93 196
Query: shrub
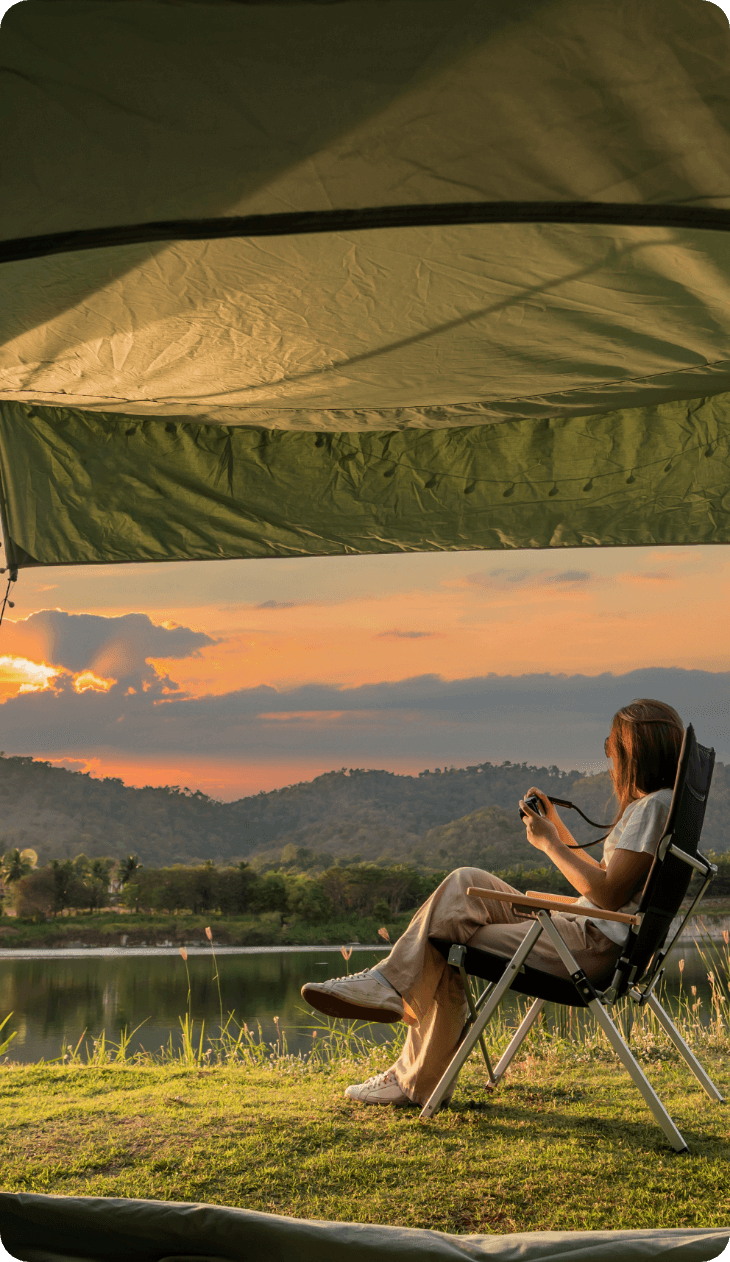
pixel 308 900
pixel 268 893
pixel 34 895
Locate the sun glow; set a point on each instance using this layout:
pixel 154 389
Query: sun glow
pixel 87 681
pixel 19 674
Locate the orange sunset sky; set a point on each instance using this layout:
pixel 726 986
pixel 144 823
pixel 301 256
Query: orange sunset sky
pixel 233 677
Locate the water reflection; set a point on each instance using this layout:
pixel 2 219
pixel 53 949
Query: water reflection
pixel 54 998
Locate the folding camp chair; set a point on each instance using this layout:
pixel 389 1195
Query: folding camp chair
pixel 636 973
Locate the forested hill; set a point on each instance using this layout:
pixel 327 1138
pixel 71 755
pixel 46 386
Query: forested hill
pixel 371 814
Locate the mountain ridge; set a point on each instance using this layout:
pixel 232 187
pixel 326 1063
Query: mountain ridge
pixel 378 815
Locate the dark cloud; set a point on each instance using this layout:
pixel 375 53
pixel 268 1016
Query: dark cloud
pixel 277 604
pixel 570 576
pixel 538 718
pixel 404 635
pixel 501 577
pixel 116 648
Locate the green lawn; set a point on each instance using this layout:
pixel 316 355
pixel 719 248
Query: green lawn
pixel 557 1147
pixel 108 928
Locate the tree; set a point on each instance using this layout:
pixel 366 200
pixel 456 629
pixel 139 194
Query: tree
pixel 34 895
pixel 268 893
pixel 128 867
pixel 308 900
pixel 16 864
pixel 62 884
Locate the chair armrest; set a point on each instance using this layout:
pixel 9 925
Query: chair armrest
pixel 551 898
pixel 550 902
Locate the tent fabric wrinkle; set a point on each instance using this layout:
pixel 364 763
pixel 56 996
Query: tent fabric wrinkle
pixel 96 1229
pixel 399 388
pixel 516 320
pixel 211 492
pixel 358 104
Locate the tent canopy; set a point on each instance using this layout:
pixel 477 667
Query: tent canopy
pixel 532 344
pixel 39 1228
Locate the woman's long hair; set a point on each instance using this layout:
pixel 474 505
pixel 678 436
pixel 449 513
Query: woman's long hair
pixel 645 740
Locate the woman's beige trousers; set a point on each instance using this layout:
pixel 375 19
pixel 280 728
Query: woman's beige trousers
pixel 433 991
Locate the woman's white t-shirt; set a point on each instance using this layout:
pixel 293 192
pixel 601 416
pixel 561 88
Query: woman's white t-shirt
pixel 640 829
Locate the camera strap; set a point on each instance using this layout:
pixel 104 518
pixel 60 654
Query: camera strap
pixel 570 806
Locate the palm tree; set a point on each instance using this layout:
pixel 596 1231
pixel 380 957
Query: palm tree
pixel 16 864
pixel 128 867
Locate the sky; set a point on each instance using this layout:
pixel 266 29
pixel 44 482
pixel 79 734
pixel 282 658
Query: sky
pixel 239 676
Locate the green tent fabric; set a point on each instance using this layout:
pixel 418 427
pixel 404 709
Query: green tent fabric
pixel 312 388
pixel 38 1228
pixel 89 488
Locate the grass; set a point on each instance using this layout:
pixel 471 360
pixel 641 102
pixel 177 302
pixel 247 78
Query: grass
pixel 548 1151
pixel 107 928
pixel 225 1117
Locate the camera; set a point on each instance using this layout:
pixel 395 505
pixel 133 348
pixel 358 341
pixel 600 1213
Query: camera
pixel 534 802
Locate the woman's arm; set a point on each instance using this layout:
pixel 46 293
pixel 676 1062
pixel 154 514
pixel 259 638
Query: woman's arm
pixel 564 833
pixel 609 887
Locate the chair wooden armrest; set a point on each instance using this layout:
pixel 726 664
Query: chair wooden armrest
pixel 550 902
pixel 552 898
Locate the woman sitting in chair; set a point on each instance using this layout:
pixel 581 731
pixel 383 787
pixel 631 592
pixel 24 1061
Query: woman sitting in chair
pixel 416 985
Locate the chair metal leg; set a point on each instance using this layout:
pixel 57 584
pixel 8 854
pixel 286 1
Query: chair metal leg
pixel 474 1034
pixel 685 1052
pixel 473 1010
pixel 518 1038
pixel 617 1042
pixel 636 1073
pixel 463 1051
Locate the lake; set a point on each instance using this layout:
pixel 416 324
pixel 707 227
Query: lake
pixel 56 995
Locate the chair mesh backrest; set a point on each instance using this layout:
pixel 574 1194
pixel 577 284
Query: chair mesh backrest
pixel 669 878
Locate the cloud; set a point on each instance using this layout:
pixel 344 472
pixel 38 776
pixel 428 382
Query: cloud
pixel 73 764
pixel 647 576
pixel 118 648
pixel 503 579
pixel 277 604
pixel 537 718
pixel 570 576
pixel 405 635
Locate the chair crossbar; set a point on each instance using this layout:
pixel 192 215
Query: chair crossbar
pixel 518 1037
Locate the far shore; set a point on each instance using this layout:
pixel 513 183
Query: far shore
pixel 112 929
pixel 135 930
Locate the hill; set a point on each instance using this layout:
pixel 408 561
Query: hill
pixel 436 819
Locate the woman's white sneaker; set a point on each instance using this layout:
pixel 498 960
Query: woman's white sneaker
pixel 382 1089
pixel 366 995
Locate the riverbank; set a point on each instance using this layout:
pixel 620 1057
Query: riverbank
pixel 140 929
pixel 547 1151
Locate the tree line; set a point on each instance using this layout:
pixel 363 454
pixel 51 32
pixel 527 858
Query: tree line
pixel 342 890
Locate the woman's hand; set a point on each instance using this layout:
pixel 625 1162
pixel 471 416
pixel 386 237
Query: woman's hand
pixel 548 809
pixel 540 831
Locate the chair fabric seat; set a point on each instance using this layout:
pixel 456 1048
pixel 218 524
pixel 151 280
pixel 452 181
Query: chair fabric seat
pixel 534 982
